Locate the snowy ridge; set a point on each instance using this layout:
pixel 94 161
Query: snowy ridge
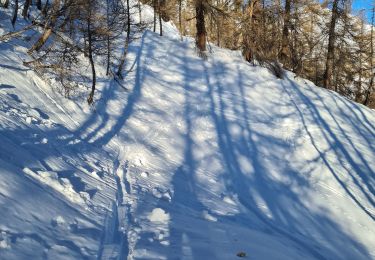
pixel 198 160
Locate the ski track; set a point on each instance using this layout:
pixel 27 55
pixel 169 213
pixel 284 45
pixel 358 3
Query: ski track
pixel 196 160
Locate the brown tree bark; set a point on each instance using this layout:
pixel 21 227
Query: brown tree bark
pixel 248 30
pixel 125 52
pixel 200 25
pixel 140 11
pixel 90 99
pixel 358 94
pixel 284 53
pixel 327 78
pixel 49 27
pixel 154 6
pixel 160 17
pixel 180 17
pixel 45 8
pixel 371 83
pixel 26 7
pixel 108 42
pixel 15 13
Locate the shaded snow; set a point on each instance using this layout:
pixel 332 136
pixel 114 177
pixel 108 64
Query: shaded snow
pixel 198 160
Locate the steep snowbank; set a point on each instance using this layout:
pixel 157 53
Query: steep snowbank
pixel 198 160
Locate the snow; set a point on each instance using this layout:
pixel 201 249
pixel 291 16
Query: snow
pixel 198 160
pixel 159 215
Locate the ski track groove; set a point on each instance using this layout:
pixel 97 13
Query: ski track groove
pixel 117 222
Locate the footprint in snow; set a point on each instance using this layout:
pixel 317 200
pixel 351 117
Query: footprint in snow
pixel 58 221
pixel 14 97
pixel 43 141
pixel 29 120
pixel 145 174
pixel 41 113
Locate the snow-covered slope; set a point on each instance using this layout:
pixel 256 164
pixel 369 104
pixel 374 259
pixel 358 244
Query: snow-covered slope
pixel 198 160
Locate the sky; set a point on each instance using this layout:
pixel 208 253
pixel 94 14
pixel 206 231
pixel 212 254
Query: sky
pixel 363 4
pixel 358 5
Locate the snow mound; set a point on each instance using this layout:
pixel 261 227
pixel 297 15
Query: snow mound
pixel 158 216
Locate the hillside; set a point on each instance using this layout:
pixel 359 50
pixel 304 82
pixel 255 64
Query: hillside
pixel 189 159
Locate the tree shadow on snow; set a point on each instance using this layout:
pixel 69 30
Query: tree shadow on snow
pixel 271 192
pixel 288 214
pixel 341 145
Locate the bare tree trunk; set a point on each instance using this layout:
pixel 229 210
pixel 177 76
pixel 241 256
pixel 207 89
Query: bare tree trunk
pixel 45 8
pixel 108 55
pixel 39 4
pixel 248 46
pixel 180 17
pixel 371 83
pixel 49 27
pixel 278 11
pixel 127 41
pixel 200 25
pixel 17 33
pixel 41 41
pixel 140 11
pixel 218 32
pixel 160 18
pixel 358 94
pixel 154 5
pixel 216 26
pixel 25 10
pixel 90 99
pixel 316 69
pixel 327 78
pixel 15 13
pixel 284 53
pixel 108 42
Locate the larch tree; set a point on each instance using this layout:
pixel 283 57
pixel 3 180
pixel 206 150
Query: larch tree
pixel 327 78
pixel 332 47
pixel 370 87
pixel 201 34
pixel 284 54
pixel 26 7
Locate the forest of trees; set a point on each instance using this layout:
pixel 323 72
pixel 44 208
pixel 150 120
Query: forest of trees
pixel 324 42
